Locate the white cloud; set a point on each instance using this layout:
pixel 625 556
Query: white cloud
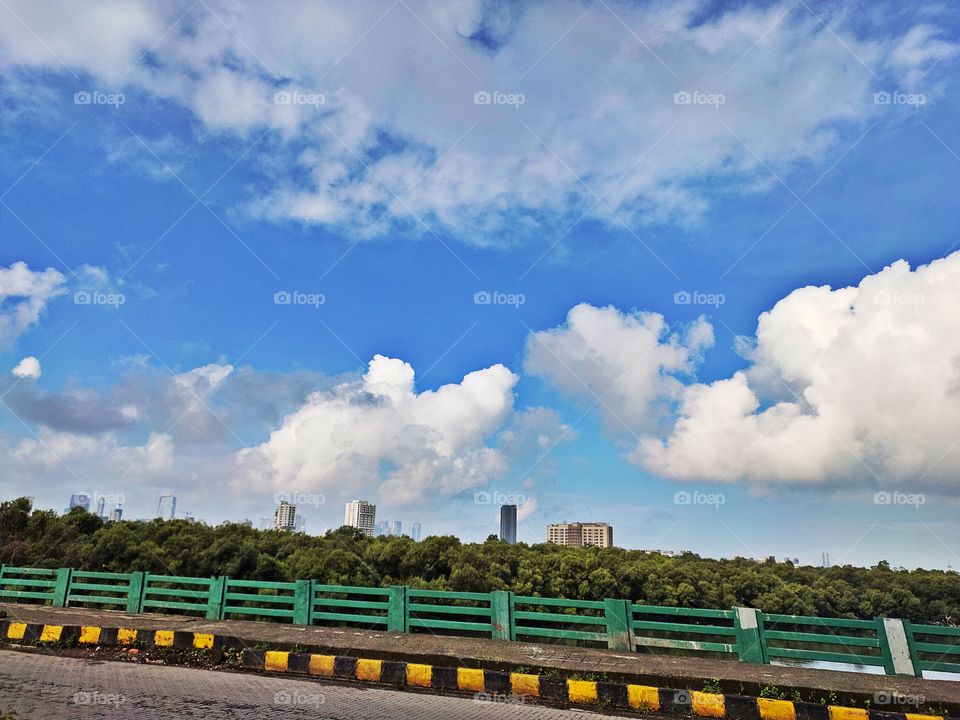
pixel 379 432
pixel 867 382
pixel 84 456
pixel 625 364
pixel 24 295
pixel 29 368
pixel 398 83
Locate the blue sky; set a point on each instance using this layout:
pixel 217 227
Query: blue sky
pixel 632 156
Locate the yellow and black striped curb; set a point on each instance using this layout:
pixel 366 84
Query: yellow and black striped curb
pixel 30 633
pixel 487 685
pixel 494 686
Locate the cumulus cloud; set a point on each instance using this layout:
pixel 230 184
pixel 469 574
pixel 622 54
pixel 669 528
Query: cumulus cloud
pixel 599 131
pixel 627 365
pixel 378 432
pixel 28 368
pixel 24 295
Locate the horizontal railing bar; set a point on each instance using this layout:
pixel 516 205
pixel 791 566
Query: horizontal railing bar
pixel 175 579
pixel 176 592
pixel 449 609
pixel 940 666
pixel 99 586
pixel 359 604
pixel 269 599
pixel 561 634
pixel 447 595
pixel 849 658
pixel 935 630
pixel 686 645
pixel 28 571
pixel 350 590
pixel 29 583
pixel 820 638
pixel 100 575
pixel 271 612
pixel 25 594
pixel 261 584
pixel 686 612
pixel 682 628
pixel 937 648
pixel 173 605
pixel 559 617
pixel 98 599
pixel 346 617
pixel 823 622
pixel 449 625
pixel 557 602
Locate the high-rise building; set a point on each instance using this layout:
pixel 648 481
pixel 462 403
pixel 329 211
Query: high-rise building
pixel 382 529
pixel 79 500
pixel 101 507
pixel 300 524
pixel 508 523
pixel 580 534
pixel 415 531
pixel 396 528
pixel 360 514
pixel 116 513
pixel 167 507
pixel 285 516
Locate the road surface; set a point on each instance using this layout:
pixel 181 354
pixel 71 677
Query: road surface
pixel 42 686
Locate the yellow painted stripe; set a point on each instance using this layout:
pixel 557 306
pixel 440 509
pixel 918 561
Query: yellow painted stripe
pixel 523 684
pixel 707 704
pixel 419 675
pixel 89 634
pixel 163 638
pixel 369 670
pixel 919 716
pixel 51 633
pixel 276 660
pixel 125 636
pixel 643 697
pixel 321 665
pixel 776 709
pixel 203 641
pixel 845 713
pixel 582 691
pixel 470 679
pixel 15 631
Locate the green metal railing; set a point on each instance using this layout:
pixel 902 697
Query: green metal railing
pixel 744 634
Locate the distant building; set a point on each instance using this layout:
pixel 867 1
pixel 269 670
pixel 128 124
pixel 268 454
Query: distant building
pixel 382 529
pixel 300 523
pixel 396 528
pixel 101 507
pixel 116 514
pixel 508 523
pixel 167 507
pixel 580 534
pixel 415 531
pixel 79 500
pixel 285 516
pixel 361 515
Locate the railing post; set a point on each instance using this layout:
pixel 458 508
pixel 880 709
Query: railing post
pixel 397 612
pixel 911 644
pixel 62 589
pixel 218 586
pixel 135 593
pixel 501 615
pixel 617 613
pixel 894 647
pixel 303 602
pixel 749 646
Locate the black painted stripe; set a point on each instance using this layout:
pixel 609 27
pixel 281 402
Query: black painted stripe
pixel 254 659
pixel 394 672
pixel 499 682
pixel 614 694
pixel 741 707
pixel 553 688
pixel 671 700
pixel 811 711
pixel 444 678
pixel 345 666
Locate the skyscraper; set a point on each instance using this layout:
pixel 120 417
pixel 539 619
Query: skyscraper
pixel 415 531
pixel 382 529
pixel 360 514
pixel 167 507
pixel 285 516
pixel 117 513
pixel 508 523
pixel 79 500
pixel 101 507
pixel 396 528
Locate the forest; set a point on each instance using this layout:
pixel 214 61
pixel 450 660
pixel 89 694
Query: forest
pixel 79 539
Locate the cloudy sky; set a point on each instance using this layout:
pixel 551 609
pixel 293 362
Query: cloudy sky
pixel 691 268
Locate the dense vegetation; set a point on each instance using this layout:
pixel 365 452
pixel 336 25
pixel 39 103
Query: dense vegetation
pixel 80 540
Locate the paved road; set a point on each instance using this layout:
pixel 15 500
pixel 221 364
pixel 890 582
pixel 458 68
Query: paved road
pixel 42 686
